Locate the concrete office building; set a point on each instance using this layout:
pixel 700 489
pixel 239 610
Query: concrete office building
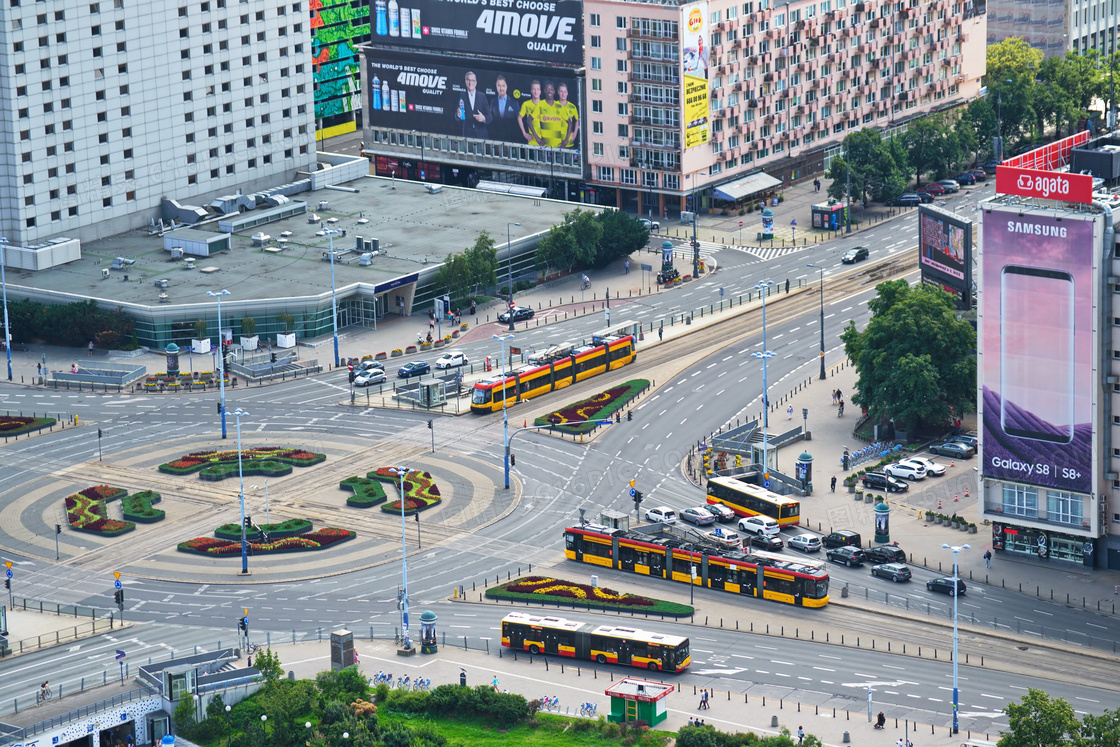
pixel 109 105
pixel 1056 26
pixel 700 97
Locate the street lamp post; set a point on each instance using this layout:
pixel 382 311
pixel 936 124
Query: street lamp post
pixel 4 286
pixel 330 232
pixel 229 728
pixel 509 282
pixel 505 412
pixel 820 269
pixel 956 583
pixel 764 354
pixel 241 494
pixel 401 472
pixel 221 359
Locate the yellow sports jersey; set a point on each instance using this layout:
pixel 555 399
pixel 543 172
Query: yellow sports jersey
pixel 531 117
pixel 553 129
pixel 567 113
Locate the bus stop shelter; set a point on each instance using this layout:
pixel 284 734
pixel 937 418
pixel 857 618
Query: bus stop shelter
pixel 638 700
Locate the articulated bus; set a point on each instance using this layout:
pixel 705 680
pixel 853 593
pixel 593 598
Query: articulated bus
pixel 746 499
pixel 553 369
pixel 788 580
pixel 605 644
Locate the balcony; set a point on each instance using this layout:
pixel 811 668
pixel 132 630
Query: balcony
pixel 902 96
pixel 861 7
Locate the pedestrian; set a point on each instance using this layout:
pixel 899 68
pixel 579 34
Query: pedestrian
pixel 706 704
pixel 703 694
pixel 800 734
pixel 789 413
pixel 472 307
pixel 91 348
pixel 899 743
pixel 988 558
pixel 661 331
pixel 38 369
pixel 701 722
pixel 833 484
pixel 690 720
pixel 431 323
pixel 839 396
pixel 787 285
pixel 249 661
pixel 495 684
pixel 628 267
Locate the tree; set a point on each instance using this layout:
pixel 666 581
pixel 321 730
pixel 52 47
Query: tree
pixel 915 359
pixel 930 145
pixel 622 235
pixel 1011 68
pixel 185 719
pixel 268 664
pixel 1039 721
pixel 587 232
pixel 981 115
pixel 482 262
pixel 1100 731
pixel 557 250
pixel 345 685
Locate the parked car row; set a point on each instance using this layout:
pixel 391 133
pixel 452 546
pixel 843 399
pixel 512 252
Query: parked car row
pixel 367 372
pixel 896 477
pixel 925 194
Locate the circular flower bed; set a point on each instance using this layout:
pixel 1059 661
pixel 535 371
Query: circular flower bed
pixel 317 540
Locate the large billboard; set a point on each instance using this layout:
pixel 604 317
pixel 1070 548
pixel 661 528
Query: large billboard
pixel 1037 343
pixel 945 253
pixel 504 101
pixel 694 71
pixel 535 30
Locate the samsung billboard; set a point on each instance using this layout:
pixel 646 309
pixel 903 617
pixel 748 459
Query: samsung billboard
pixel 534 30
pixel 945 253
pixel 1037 343
pixel 503 101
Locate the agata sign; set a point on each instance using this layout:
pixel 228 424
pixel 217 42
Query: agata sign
pixel 1048 185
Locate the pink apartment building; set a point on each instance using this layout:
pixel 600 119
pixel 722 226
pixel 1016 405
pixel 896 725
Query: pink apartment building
pixel 728 99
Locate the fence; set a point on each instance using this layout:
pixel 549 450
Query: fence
pixel 111 374
pixel 19 735
pixel 59 420
pixel 83 630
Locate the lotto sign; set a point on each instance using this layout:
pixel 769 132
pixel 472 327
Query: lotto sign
pixel 1049 185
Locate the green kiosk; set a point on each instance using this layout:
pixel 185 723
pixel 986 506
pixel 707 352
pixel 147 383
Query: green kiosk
pixel 638 700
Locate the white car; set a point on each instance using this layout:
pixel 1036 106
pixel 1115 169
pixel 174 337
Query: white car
pixel 650 225
pixel 805 543
pixel 372 376
pixel 451 360
pixel 763 525
pixel 931 467
pixel 906 470
pixel 662 514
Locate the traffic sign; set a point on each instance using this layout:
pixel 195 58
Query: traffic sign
pixel 120 654
pixel 8 573
pixel 117 584
pixel 632 491
pixel 647 268
pixel 766 484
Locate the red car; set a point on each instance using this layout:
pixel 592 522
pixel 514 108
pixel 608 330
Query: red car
pixel 980 174
pixel 934 189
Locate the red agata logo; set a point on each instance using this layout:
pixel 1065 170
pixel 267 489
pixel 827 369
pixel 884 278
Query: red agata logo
pixel 1048 185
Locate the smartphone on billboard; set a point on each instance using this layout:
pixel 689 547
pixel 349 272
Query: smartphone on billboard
pixel 1037 353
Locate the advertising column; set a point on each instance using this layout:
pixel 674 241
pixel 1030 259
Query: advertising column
pixel 1037 346
pixel 694 68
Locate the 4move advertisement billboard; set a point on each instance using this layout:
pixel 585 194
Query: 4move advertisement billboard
pixel 945 252
pixel 535 30
pixel 503 101
pixel 1037 343
pixel 694 69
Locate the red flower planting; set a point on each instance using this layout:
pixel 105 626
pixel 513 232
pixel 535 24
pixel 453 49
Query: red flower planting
pixel 197 460
pixel 86 510
pixel 11 422
pixel 310 541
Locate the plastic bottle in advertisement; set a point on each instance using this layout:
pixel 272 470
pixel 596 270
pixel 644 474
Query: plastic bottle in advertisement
pixel 385 95
pixel 416 23
pixel 403 107
pixel 462 113
pixel 376 92
pixel 382 21
pixel 394 18
pixel 406 22
pixel 396 102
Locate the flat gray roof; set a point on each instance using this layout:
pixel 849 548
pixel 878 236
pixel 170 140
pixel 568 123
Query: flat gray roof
pixel 416 229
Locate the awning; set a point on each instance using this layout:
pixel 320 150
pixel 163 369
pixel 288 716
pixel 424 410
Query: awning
pixel 746 187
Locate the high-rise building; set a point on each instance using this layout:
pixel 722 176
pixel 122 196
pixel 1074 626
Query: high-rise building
pixel 109 106
pixel 1056 26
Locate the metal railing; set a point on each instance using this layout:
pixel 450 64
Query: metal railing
pixel 54 638
pixel 19 735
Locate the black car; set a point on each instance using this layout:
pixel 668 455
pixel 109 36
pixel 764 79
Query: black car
pixel 520 313
pixel 964 178
pixel 841 538
pixel 894 571
pixel 764 542
pixel 924 196
pixel 944 585
pixel 883 481
pixel 885 554
pixel 854 255
pixel 907 200
pixel 846 555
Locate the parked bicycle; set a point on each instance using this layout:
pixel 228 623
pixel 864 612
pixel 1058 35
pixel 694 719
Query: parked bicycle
pixel 550 704
pixel 404 683
pixel 422 684
pixel 588 709
pixel 383 678
pixel 252 648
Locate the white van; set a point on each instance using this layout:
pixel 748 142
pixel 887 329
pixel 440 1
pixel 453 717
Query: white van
pixel 759 525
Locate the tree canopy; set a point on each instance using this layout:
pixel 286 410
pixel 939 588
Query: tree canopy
pixel 587 239
pixel 916 359
pixel 1041 721
pixel 476 268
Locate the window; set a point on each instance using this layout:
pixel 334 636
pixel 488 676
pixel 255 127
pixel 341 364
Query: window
pixel 596 42
pixel 596 63
pixel 596 84
pixel 594 19
pixel 620 22
pixel 606 174
pixel 1065 508
pixel 596 107
pixel 597 128
pixel 597 149
pixel 620 44
pixel 620 65
pixel 623 109
pixel 1019 500
pixel 623 130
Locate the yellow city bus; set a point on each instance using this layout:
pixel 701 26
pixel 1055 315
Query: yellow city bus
pixel 747 499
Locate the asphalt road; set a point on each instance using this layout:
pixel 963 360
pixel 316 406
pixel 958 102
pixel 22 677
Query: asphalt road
pixel 559 477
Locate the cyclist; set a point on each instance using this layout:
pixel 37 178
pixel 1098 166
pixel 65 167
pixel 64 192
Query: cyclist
pixel 44 691
pixel 586 281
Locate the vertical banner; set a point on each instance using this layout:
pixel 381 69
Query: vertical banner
pixel 1037 343
pixel 694 70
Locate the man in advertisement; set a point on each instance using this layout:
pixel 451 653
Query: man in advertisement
pixel 503 112
pixel 1037 347
pixel 473 109
pixel 569 114
pixel 530 115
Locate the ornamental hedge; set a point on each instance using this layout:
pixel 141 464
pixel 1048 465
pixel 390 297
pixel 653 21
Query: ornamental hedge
pixel 138 507
pixel 547 590
pixel 267 461
pixel 602 406
pixel 317 540
pixel 420 492
pixel 17 425
pixel 86 511
pixel 367 492
pixel 289 528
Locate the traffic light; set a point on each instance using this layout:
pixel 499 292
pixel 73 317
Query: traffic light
pixel 629 415
pixel 512 460
pixel 248 521
pixel 429 425
pixel 219 408
pixel 243 625
pixel 58 529
pixel 99 433
pixel 274 357
pixel 118 597
pixel 7 583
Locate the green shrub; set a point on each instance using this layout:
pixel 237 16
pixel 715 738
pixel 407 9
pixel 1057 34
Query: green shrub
pixel 366 492
pixel 138 507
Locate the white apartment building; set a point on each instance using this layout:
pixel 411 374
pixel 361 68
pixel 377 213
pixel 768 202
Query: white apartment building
pixel 687 97
pixel 108 106
pixel 1056 26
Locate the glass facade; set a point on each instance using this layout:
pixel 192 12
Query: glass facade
pixel 1043 544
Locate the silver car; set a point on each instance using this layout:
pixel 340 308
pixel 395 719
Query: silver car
pixel 697 515
pixel 805 543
